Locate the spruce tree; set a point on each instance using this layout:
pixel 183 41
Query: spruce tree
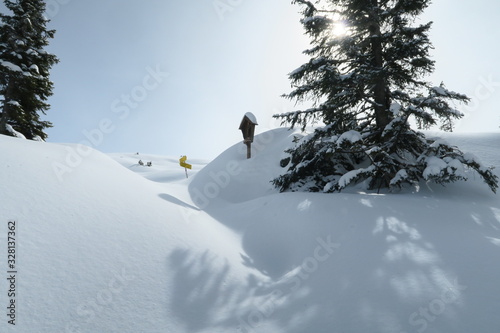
pixel 366 87
pixel 24 68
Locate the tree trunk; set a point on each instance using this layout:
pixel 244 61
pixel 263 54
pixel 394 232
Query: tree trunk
pixel 3 121
pixel 6 110
pixel 381 99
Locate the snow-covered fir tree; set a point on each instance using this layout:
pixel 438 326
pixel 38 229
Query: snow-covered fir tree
pixel 366 86
pixel 24 68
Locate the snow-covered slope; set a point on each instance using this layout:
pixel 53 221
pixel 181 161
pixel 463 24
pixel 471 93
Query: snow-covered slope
pixel 100 249
pixel 107 245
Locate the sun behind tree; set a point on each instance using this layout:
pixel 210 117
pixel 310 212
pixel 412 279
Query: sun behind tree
pixel 339 29
pixel 366 85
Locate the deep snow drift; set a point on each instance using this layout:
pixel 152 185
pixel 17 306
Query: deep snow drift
pixel 104 244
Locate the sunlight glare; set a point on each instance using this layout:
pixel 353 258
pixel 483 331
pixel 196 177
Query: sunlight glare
pixel 339 29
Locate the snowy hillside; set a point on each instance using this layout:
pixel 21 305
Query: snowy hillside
pixel 104 244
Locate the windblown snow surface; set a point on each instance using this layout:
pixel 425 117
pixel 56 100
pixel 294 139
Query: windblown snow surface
pixel 104 244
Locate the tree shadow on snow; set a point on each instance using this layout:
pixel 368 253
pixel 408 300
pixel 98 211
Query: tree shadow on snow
pixel 351 263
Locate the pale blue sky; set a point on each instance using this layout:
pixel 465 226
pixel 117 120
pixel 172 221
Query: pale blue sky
pixel 211 67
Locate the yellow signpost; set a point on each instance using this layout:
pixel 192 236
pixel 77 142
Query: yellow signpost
pixel 182 162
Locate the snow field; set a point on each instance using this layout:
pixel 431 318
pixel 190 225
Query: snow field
pixel 119 247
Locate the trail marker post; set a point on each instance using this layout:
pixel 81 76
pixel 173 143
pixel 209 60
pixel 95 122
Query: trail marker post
pixel 182 162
